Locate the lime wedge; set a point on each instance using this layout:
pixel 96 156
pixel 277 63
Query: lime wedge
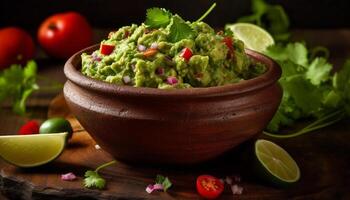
pixel 32 150
pixel 274 164
pixel 253 36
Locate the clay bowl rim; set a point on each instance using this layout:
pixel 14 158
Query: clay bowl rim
pixel 270 77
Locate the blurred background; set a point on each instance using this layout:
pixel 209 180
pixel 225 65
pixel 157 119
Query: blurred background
pixel 313 14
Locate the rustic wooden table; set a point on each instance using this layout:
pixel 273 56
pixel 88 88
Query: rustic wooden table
pixel 323 156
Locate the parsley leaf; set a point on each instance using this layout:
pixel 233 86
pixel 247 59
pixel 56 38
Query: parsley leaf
pixel 163 181
pixel 157 17
pixel 17 84
pixel 179 30
pixel 93 179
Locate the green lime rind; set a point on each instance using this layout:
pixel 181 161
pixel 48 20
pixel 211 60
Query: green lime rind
pixel 27 151
pixel 56 125
pixel 275 166
pixel 253 36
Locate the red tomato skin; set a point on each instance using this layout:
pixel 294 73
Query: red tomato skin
pixel 61 35
pixel 106 49
pixel 31 127
pixel 186 53
pixel 16 46
pixel 209 194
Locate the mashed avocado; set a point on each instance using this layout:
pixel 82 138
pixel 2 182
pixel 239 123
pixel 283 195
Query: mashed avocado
pixel 140 56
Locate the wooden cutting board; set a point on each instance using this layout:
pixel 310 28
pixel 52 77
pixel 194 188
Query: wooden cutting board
pixel 323 157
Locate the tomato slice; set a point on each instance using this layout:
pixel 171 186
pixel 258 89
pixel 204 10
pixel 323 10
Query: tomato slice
pixel 209 187
pixel 186 53
pixel 106 49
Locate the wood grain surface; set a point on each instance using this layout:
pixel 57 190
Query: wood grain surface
pixel 323 157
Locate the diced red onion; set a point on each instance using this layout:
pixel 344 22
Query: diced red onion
pixel 141 47
pixel 171 80
pixel 96 57
pixel 236 189
pixel 228 180
pixel 154 45
pixel 150 188
pixel 68 177
pixel 160 71
pixel 126 79
pixel 133 66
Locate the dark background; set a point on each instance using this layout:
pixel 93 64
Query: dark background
pixel 313 14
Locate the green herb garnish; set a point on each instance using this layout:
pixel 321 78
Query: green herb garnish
pixel 17 83
pixel 310 90
pixel 179 29
pixel 157 17
pixel 93 179
pixel 273 18
pixel 164 181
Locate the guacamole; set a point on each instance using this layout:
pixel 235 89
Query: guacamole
pixel 141 56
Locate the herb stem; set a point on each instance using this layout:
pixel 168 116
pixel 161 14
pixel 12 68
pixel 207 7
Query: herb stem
pixel 105 165
pixel 206 13
pixel 313 126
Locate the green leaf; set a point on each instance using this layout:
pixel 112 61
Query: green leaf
pixel 93 180
pixel 318 71
pixel 163 181
pixel 273 18
pixel 296 52
pixel 179 30
pixel 17 84
pixel 157 17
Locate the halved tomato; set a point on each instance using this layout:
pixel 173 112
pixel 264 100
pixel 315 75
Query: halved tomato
pixel 209 187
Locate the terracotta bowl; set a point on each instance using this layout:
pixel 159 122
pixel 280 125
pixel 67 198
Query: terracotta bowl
pixel 182 126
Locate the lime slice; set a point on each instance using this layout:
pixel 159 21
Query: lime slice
pixel 32 150
pixel 274 164
pixel 253 36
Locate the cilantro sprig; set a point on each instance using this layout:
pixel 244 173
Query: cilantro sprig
pixel 17 83
pixel 93 179
pixel 178 28
pixel 164 181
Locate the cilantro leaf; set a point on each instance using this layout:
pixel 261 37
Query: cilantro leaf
pixel 164 181
pixel 273 18
pixel 17 84
pixel 93 180
pixel 157 17
pixel 179 30
pixel 318 71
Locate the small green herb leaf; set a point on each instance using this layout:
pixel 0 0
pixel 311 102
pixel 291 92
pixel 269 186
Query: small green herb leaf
pixel 157 17
pixel 17 84
pixel 93 180
pixel 179 30
pixel 163 181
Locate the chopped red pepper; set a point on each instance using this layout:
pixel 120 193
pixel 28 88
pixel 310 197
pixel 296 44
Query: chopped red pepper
pixel 31 127
pixel 186 53
pixel 229 43
pixel 107 49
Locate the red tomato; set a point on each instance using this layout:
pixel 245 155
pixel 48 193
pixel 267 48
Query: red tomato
pixel 186 53
pixel 16 47
pixel 106 49
pixel 209 187
pixel 64 34
pixel 31 127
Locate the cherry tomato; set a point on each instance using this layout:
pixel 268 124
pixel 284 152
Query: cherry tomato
pixel 31 127
pixel 209 187
pixel 106 49
pixel 64 34
pixel 186 53
pixel 16 47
